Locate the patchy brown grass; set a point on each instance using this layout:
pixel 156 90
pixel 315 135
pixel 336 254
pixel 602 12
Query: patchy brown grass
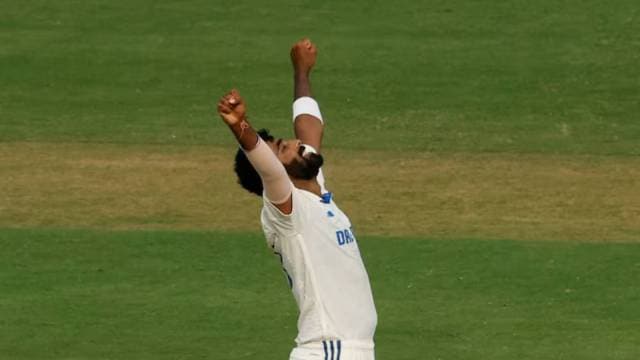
pixel 490 195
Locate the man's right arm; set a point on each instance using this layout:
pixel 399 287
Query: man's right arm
pixel 277 186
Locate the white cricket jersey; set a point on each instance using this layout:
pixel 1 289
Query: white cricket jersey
pixel 322 262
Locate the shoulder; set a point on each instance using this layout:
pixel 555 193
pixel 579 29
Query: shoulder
pixel 272 216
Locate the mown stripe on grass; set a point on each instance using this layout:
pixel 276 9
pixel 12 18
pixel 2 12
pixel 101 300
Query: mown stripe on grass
pixel 445 195
pixel 80 294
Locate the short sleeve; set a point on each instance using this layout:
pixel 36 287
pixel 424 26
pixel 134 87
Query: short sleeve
pixel 280 223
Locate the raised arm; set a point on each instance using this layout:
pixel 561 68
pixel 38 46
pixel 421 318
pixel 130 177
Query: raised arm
pixel 276 183
pixel 308 124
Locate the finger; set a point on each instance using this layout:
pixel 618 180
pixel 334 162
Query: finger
pixel 301 44
pixel 223 108
pixel 224 101
pixel 235 97
pixel 229 100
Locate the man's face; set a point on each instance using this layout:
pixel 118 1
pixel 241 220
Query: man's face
pixel 287 151
pixel 290 153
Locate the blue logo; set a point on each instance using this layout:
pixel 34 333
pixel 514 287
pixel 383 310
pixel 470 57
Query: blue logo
pixel 326 198
pixel 330 213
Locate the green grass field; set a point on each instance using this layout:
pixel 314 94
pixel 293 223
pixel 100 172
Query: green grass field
pixel 76 294
pixel 504 134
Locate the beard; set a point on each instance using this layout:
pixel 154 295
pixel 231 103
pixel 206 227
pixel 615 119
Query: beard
pixel 306 168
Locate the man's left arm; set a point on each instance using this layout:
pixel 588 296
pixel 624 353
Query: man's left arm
pixel 307 120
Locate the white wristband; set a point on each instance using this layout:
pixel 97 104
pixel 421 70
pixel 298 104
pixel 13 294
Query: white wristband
pixel 306 105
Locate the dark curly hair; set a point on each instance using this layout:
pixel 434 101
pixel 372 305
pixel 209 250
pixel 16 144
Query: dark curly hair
pixel 249 179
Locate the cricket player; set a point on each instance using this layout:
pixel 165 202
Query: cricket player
pixel 310 236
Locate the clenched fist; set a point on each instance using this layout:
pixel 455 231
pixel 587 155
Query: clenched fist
pixel 303 55
pixel 231 108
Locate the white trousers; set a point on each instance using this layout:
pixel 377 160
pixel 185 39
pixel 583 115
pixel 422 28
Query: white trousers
pixel 331 350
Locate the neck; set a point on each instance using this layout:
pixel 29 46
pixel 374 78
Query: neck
pixel 308 185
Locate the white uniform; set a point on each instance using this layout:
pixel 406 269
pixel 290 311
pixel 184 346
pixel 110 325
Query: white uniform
pixel 322 262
